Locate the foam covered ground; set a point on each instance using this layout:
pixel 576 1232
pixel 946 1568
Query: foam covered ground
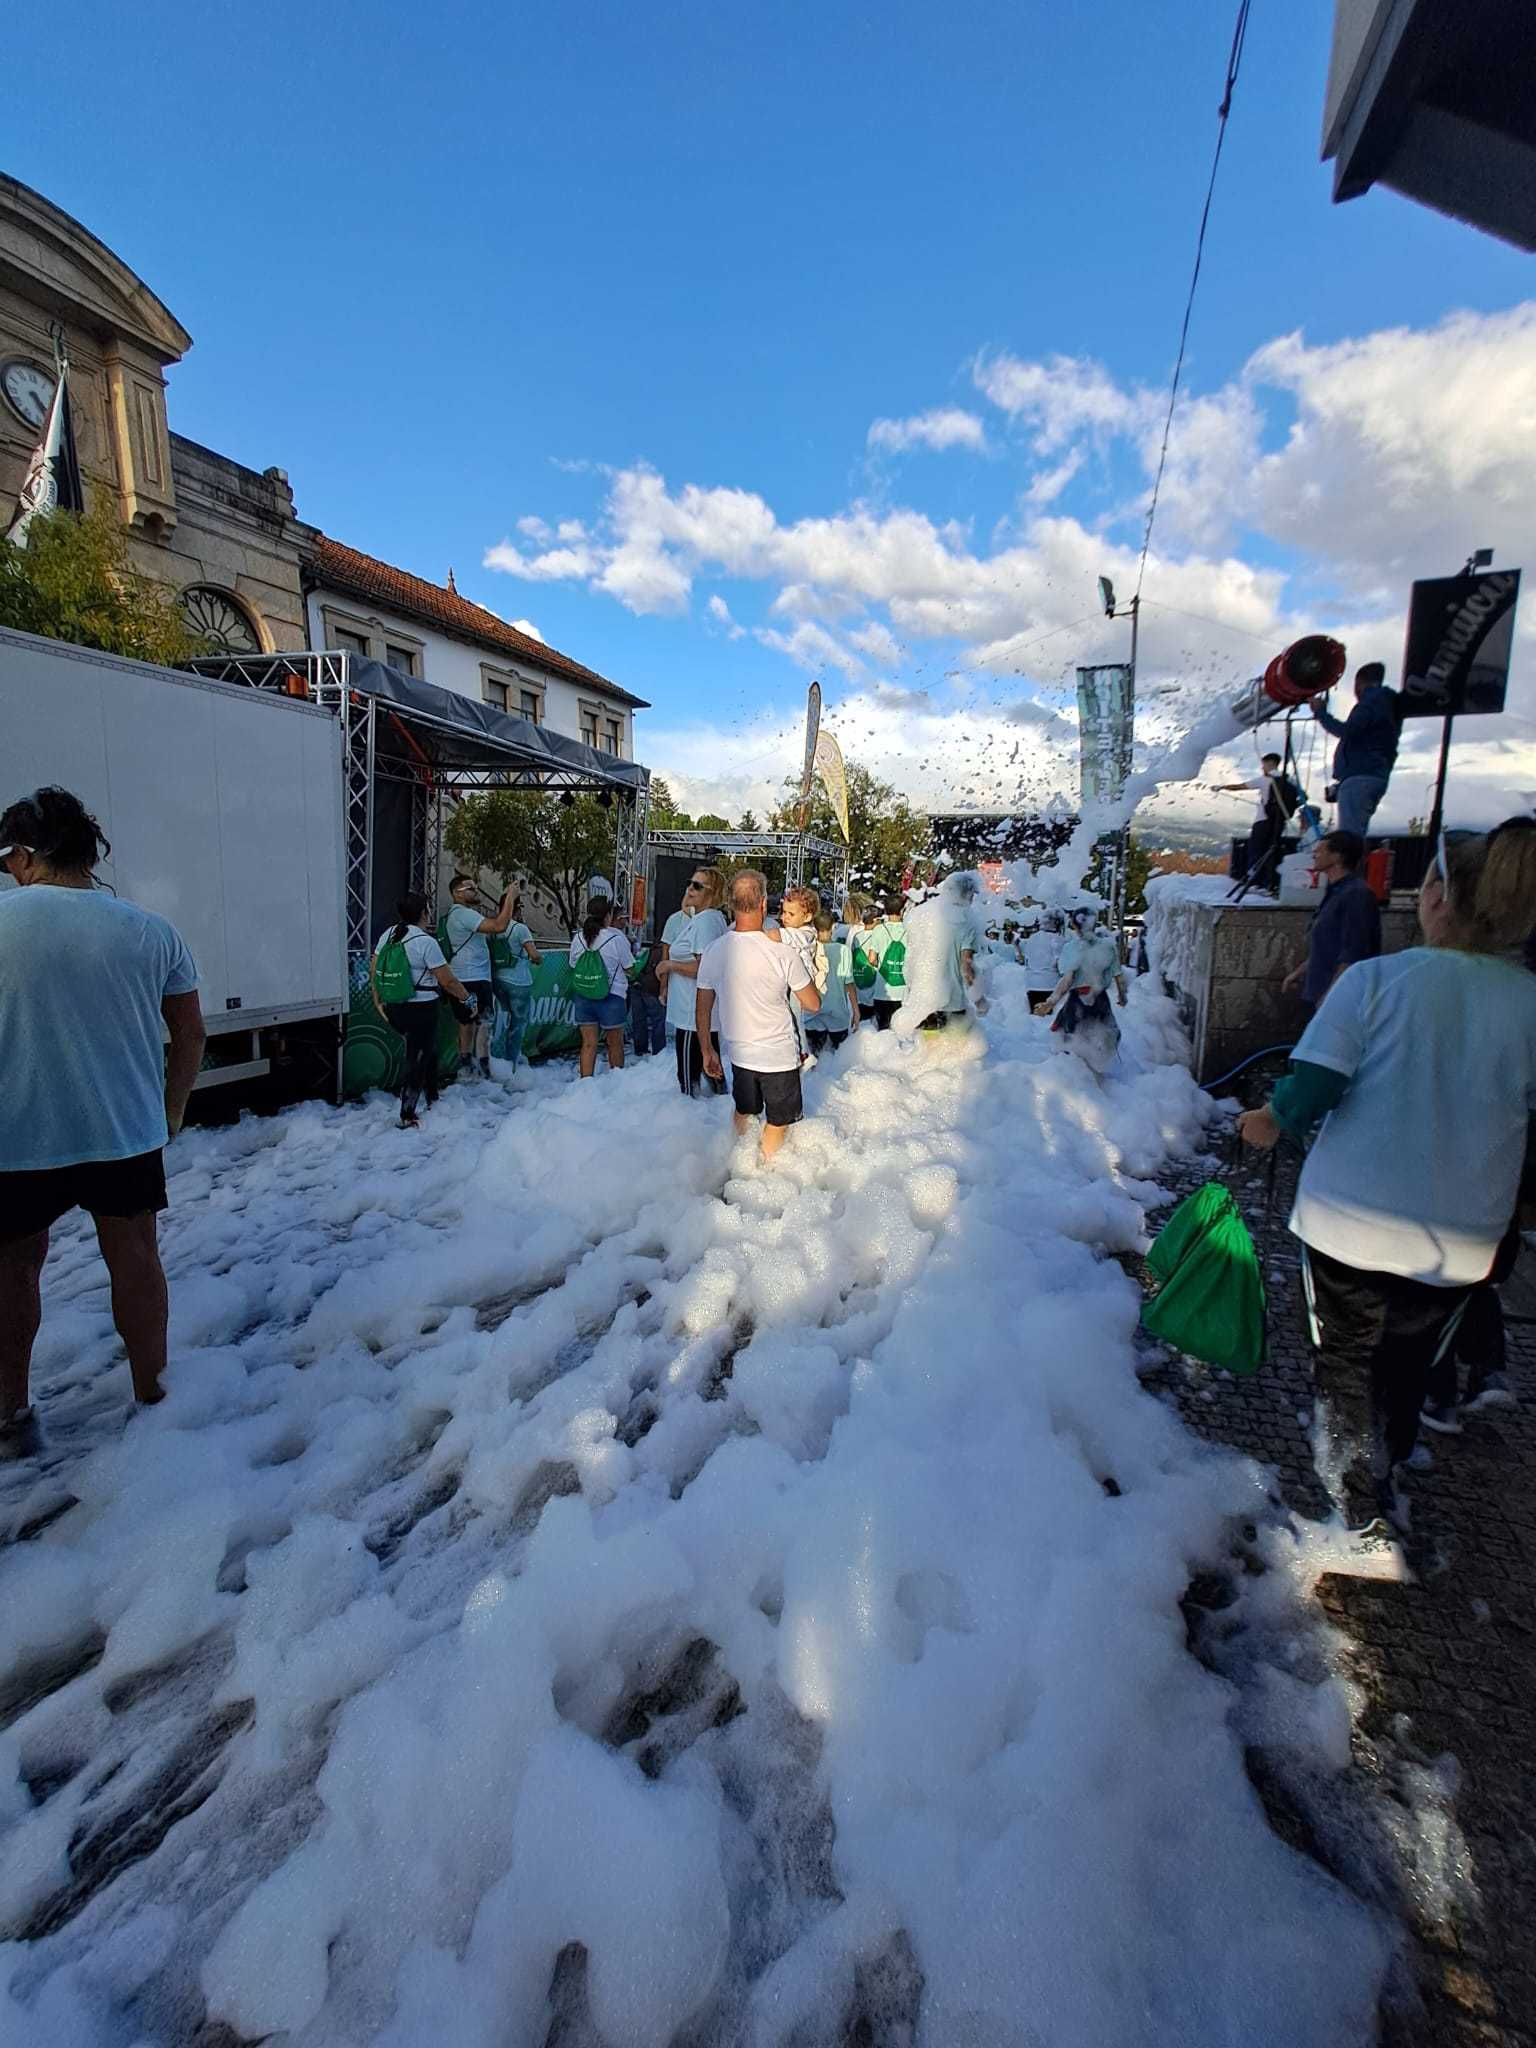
pixel 584 1587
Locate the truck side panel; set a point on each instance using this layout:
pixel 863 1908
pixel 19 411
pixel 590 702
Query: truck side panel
pixel 224 806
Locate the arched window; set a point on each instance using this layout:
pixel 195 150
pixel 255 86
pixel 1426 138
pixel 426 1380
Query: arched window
pixel 219 619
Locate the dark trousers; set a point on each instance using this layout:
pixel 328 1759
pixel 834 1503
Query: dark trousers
pixel 884 1012
pixel 690 1063
pixel 1480 1334
pixel 1377 1339
pixel 818 1041
pixel 417 1025
pixel 647 1021
pixel 1264 853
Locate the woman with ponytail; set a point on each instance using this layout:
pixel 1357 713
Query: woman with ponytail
pixel 607 971
pixel 425 972
pixel 1422 1067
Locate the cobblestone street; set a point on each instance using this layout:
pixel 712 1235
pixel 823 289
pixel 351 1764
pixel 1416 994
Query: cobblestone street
pixel 1447 1666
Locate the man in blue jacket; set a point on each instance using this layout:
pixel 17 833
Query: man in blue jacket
pixel 1367 749
pixel 1346 926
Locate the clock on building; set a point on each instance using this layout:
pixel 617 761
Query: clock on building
pixel 28 390
pixel 215 617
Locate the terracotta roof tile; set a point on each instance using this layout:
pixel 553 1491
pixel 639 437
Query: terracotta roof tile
pixel 345 568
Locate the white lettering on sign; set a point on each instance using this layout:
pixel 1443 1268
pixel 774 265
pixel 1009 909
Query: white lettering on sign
pixel 1471 622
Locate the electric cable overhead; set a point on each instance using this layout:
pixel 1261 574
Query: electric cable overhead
pixel 1239 36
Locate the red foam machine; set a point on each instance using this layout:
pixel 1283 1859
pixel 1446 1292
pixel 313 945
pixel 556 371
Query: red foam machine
pixel 1306 669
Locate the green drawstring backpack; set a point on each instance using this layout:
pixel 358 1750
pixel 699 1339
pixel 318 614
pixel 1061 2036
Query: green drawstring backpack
pixel 589 975
pixel 1210 1304
pixel 863 970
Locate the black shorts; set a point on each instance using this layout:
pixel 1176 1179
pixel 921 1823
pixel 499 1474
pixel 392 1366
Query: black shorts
pixel 776 1096
pixel 819 1040
pixel 482 995
pixel 33 1202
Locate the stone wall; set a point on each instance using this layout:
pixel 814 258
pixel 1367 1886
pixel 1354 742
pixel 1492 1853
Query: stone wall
pixel 1225 964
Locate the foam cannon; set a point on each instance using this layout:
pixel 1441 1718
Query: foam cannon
pixel 1305 670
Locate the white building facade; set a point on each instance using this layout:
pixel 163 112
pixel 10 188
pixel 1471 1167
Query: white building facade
pixel 360 605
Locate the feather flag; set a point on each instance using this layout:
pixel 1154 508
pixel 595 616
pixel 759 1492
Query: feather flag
pixel 812 728
pixel 834 778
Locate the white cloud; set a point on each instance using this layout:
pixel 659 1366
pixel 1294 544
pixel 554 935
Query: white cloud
pixel 878 642
pixel 1059 399
pixel 1050 483
pixel 535 528
pixel 1360 464
pixel 945 427
pixel 527 626
pixel 812 648
pixel 720 612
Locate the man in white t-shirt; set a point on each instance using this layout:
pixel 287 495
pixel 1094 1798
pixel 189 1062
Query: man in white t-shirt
pixel 753 981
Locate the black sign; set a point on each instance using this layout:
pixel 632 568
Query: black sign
pixel 1460 630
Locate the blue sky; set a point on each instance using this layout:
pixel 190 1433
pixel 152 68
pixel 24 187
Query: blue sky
pixel 463 268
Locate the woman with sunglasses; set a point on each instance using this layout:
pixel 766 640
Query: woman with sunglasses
pixel 1421 1066
pixel 685 935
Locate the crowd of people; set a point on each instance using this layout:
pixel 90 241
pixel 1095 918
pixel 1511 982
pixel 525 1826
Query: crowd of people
pixel 1413 1087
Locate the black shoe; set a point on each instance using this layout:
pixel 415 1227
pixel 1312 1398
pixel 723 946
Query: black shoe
pixel 485 1070
pixel 21 1437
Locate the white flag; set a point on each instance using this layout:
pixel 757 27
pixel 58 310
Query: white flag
pixel 49 474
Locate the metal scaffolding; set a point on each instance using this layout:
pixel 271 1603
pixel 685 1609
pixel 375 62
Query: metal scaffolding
pixel 825 859
pixel 397 730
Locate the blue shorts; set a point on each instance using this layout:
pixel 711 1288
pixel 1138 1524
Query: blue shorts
pixel 609 1014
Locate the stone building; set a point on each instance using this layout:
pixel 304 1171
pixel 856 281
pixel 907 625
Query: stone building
pixel 223 535
pixel 252 576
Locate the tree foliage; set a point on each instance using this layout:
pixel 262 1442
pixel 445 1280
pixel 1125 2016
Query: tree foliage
pixel 536 838
pixel 711 821
pixel 74 581
pixel 885 834
pixel 747 822
pixel 666 815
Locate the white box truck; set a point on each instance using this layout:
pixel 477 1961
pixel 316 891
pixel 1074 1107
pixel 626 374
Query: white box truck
pixel 224 808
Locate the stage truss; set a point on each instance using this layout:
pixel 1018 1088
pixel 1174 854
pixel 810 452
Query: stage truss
pixel 440 758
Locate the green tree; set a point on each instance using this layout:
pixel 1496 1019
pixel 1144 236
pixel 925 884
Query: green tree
pixel 665 816
pixel 885 834
pixel 748 823
pixel 73 581
pixel 558 845
pixel 711 821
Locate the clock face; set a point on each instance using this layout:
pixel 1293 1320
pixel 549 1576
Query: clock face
pixel 28 390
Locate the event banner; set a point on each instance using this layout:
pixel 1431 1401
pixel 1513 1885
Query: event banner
pixel 812 730
pixel 373 1049
pixel 834 778
pixel 1105 719
pixel 1460 632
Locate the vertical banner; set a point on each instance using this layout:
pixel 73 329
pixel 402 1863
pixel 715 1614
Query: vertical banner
pixel 1106 713
pixel 834 778
pixel 812 732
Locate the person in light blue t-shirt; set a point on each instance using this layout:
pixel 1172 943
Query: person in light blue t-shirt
pixel 91 1094
pixel 467 932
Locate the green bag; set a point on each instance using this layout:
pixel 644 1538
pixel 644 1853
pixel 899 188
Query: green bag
pixel 893 964
pixel 638 968
pixel 392 975
pixel 863 970
pixel 503 959
pixel 1211 1301
pixel 589 975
